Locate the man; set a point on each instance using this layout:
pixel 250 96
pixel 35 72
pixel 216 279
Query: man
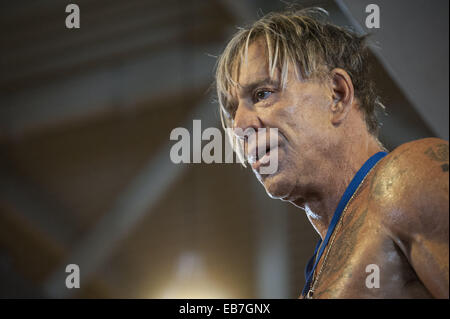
pixel 378 214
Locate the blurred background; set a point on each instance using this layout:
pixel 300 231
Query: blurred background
pixel 85 119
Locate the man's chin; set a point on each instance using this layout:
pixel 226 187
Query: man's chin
pixel 276 186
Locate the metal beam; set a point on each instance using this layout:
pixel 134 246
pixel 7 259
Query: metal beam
pixel 118 87
pixel 414 54
pixel 35 206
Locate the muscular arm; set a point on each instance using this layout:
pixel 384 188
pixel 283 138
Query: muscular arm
pixel 415 189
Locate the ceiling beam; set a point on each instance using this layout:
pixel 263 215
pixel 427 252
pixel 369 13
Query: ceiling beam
pixel 118 87
pixel 413 50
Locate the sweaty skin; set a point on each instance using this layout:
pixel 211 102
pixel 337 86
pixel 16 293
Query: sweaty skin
pixel 399 219
pixel 399 222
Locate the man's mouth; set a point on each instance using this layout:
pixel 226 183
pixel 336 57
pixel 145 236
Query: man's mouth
pixel 263 160
pixel 261 148
pixel 257 158
pixel 255 155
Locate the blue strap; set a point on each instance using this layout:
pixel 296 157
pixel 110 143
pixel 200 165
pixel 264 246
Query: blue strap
pixel 351 188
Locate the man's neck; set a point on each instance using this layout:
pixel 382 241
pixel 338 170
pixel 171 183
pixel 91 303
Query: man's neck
pixel 321 206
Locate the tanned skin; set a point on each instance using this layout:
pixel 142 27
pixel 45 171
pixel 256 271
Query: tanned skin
pixel 399 221
pixel 399 218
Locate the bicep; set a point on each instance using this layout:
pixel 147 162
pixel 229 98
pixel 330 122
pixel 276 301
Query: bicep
pixel 429 259
pixel 428 234
pixel 418 214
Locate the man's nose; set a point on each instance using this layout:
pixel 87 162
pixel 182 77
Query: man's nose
pixel 246 120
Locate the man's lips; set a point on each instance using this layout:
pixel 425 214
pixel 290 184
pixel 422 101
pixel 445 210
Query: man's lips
pixel 258 147
pixel 253 154
pixel 263 160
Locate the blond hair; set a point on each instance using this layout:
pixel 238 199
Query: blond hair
pixel 303 40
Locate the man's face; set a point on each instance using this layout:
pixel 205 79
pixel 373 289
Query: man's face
pixel 300 112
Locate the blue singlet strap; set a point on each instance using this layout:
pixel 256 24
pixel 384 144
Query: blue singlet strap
pixel 351 188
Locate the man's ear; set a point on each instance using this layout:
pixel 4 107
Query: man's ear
pixel 343 95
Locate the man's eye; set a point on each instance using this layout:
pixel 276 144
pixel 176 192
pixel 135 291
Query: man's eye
pixel 262 95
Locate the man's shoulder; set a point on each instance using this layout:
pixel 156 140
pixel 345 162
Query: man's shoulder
pixel 410 184
pixel 411 163
pixel 419 153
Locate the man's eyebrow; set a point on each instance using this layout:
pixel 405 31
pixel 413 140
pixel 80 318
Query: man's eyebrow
pixel 233 100
pixel 251 86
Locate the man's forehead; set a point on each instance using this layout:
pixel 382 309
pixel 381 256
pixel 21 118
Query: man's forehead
pixel 252 70
pixel 253 66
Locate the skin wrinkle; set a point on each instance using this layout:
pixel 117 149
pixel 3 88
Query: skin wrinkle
pixel 308 115
pixel 398 220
